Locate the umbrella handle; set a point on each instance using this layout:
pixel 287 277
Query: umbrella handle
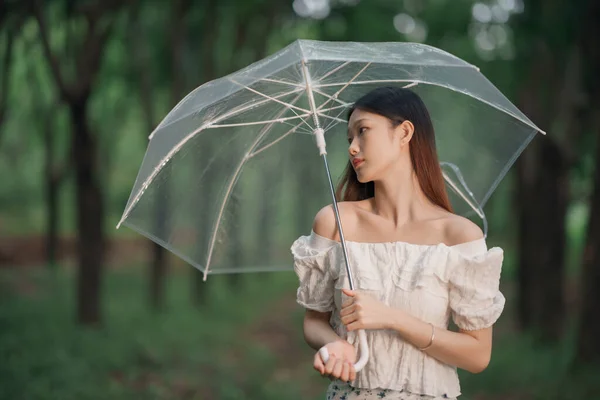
pixel 364 351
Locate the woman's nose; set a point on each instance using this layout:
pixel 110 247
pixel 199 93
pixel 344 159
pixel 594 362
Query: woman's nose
pixel 353 148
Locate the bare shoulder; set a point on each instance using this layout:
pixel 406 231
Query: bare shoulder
pixel 325 224
pixel 459 230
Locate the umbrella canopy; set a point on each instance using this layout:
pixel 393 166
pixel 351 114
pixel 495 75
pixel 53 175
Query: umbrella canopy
pixel 232 175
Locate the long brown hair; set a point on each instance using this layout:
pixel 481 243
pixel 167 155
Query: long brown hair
pixel 399 105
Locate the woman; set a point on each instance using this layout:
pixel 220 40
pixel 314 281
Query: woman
pixel 415 264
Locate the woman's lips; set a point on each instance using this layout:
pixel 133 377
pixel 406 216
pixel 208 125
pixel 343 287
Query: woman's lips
pixel 357 161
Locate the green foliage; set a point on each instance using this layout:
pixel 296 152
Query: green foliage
pixel 214 352
pixel 521 368
pixel 184 351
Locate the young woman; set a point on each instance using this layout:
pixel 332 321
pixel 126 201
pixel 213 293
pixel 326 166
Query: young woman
pixel 415 265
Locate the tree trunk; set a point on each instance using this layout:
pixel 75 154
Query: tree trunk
pixel 267 216
pixel 542 199
pixel 52 184
pixel 543 204
pixel 4 77
pixel 588 349
pixel 234 239
pixel 158 270
pixel 89 203
pixel 90 218
pixel 199 289
pixel 588 346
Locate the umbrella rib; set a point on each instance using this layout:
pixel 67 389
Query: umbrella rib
pixel 367 82
pixel 331 98
pixel 462 195
pixel 303 120
pixel 269 97
pixel 334 70
pixel 282 82
pixel 530 124
pixel 335 107
pixel 299 129
pixel 274 141
pixel 232 182
pixel 258 122
pixel 336 94
pixel 337 118
pixel 179 145
pixel 330 117
pixel 311 97
pixel 235 111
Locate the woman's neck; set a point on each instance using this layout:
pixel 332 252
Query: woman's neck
pixel 399 197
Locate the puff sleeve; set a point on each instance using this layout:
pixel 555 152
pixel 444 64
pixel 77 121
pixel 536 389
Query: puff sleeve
pixel 475 299
pixel 312 266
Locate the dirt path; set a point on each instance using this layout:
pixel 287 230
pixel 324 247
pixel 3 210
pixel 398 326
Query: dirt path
pixel 30 251
pixel 280 330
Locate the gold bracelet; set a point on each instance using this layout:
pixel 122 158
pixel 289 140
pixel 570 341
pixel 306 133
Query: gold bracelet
pixel 430 340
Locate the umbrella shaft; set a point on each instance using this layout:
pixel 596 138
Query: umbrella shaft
pixel 339 223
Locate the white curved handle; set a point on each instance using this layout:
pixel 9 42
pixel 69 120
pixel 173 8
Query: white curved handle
pixel 363 347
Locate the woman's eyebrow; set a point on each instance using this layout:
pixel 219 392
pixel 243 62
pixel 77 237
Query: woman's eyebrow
pixel 355 123
pixel 359 120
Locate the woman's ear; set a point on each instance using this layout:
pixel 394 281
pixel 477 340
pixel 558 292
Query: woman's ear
pixel 405 130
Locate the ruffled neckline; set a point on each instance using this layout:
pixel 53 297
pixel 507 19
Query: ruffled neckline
pixel 458 246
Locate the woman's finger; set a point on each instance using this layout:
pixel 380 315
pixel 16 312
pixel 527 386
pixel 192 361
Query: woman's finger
pixel 347 310
pixel 347 302
pixel 337 369
pixel 348 319
pixel 352 374
pixel 318 363
pixel 345 375
pixel 352 326
pixel 330 364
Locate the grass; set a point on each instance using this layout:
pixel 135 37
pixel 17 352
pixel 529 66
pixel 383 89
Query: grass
pixel 245 344
pixel 182 353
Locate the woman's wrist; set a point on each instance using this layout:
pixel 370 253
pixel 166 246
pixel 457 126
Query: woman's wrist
pixel 396 320
pixel 419 333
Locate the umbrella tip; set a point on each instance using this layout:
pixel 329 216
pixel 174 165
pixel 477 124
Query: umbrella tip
pixel 119 224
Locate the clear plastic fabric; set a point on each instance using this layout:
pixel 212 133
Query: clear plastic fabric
pixel 233 175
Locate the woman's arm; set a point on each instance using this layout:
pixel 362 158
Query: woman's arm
pixel 468 350
pixel 317 331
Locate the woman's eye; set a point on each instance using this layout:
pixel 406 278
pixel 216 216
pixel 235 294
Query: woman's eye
pixel 361 130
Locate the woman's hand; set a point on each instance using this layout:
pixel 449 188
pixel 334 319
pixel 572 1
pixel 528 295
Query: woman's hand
pixel 341 361
pixel 361 311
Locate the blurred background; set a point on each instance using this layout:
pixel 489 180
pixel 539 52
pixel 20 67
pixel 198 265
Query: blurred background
pixel 91 312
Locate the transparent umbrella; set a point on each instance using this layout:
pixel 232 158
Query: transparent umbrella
pixel 232 174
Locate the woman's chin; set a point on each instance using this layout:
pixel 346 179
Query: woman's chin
pixel 362 178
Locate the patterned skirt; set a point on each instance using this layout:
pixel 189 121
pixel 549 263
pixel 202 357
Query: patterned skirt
pixel 339 390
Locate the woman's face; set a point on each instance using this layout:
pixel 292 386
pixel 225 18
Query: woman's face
pixel 374 145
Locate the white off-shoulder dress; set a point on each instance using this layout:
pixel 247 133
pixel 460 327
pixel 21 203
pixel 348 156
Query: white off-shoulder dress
pixel 431 282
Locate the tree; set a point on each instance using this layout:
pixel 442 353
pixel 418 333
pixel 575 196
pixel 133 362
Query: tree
pixel 7 57
pixel 177 29
pixel 548 65
pixel 588 349
pixel 9 30
pixel 98 19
